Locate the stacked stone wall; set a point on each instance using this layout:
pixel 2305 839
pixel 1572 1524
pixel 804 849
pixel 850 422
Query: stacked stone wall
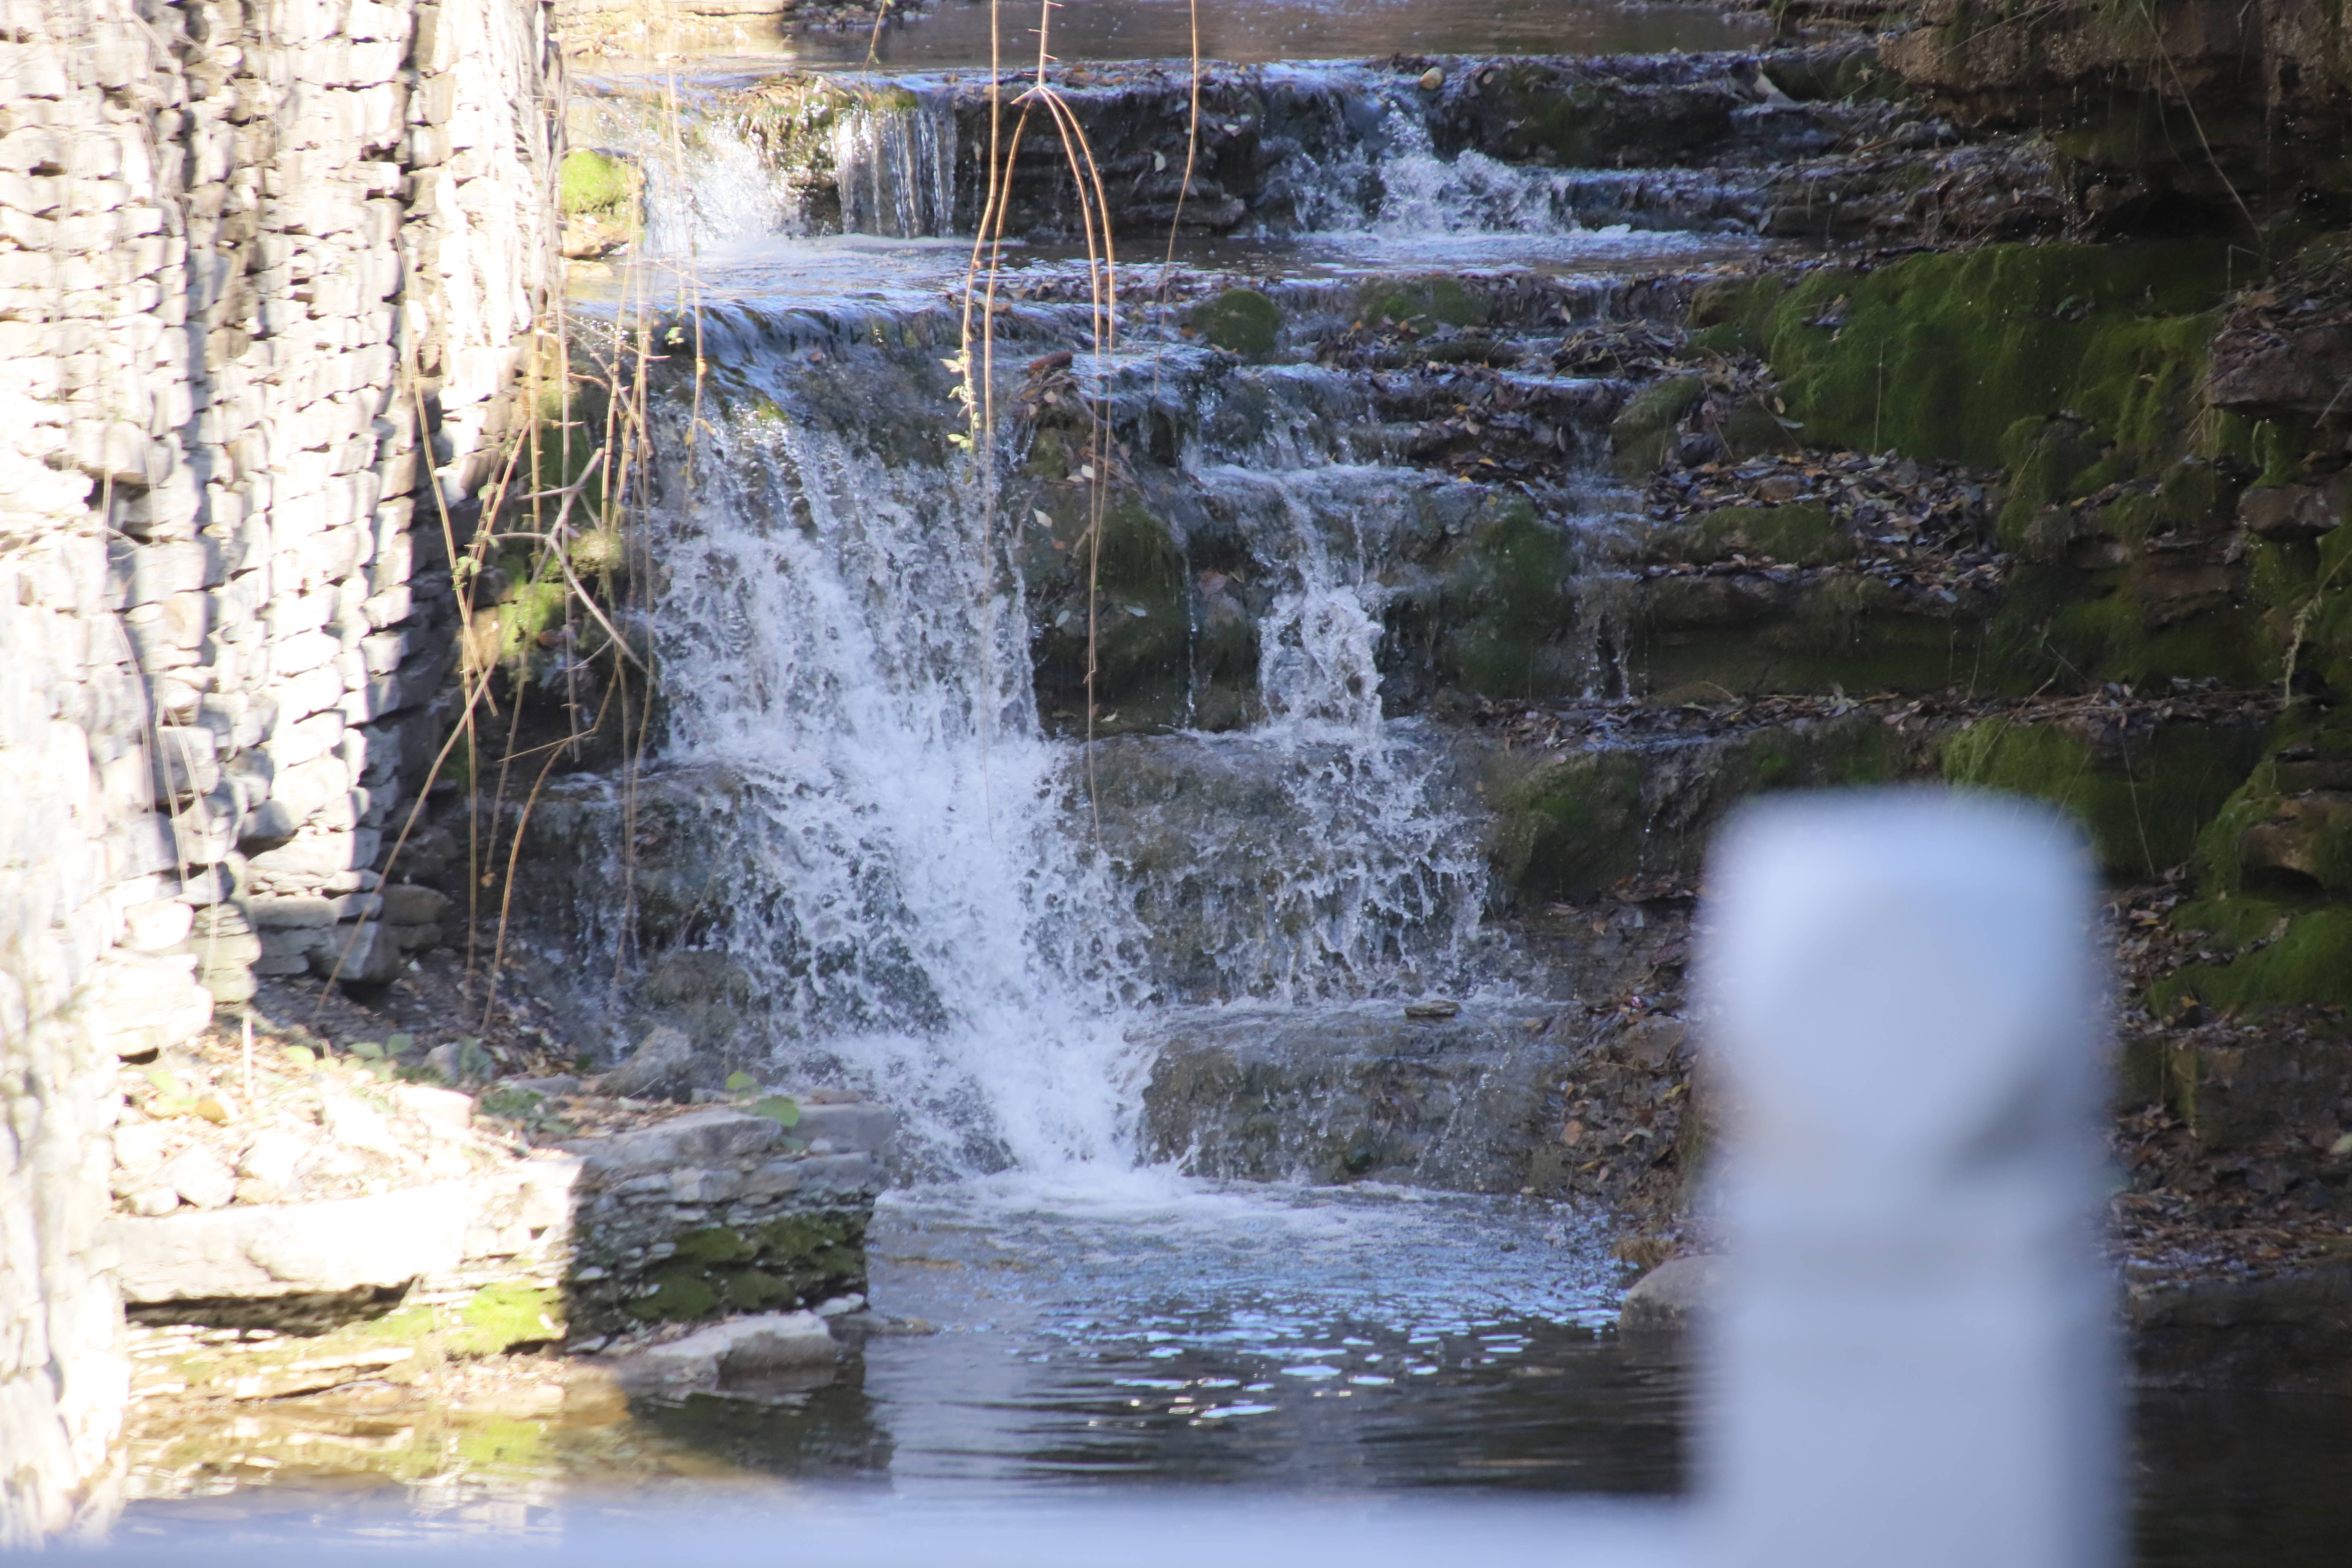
pixel 268 273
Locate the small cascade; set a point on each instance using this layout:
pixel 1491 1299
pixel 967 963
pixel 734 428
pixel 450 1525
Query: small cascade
pixel 895 164
pixel 902 889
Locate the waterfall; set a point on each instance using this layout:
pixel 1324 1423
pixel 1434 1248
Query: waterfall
pixel 896 167
pixel 908 900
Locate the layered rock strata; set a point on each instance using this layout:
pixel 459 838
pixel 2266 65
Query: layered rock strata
pixel 266 276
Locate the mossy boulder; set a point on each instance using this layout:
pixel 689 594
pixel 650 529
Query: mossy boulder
pixel 602 197
pixel 2142 794
pixel 1140 621
pixel 2309 961
pixel 797 1259
pixel 1239 321
pixel 1940 355
pixel 1559 114
pixel 1642 436
pixel 1506 612
pixel 1572 825
pixel 1795 533
pixel 1421 303
pixel 1707 636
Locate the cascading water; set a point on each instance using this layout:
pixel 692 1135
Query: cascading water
pixel 894 164
pixel 914 910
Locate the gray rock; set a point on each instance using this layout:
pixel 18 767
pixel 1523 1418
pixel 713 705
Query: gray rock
pixel 201 1177
pixel 856 1126
pixel 700 1138
pixel 139 1145
pixel 1671 1298
pixel 274 1157
pixel 442 1108
pixel 554 1086
pixel 840 1174
pixel 764 1346
pixel 2292 1332
pixel 405 904
pixel 658 1068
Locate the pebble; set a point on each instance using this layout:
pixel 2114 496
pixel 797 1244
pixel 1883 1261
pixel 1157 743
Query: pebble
pixel 1432 78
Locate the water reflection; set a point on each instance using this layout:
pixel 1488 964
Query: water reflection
pixel 1294 1341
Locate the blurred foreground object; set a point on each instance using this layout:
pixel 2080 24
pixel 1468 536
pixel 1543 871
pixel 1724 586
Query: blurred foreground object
pixel 1914 1360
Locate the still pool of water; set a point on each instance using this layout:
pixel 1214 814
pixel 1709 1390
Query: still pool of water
pixel 1149 1338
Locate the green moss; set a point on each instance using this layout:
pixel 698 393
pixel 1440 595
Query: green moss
pixel 2143 798
pixel 504 1442
pixel 1239 321
pixel 1141 618
pixel 1941 355
pixel 1730 315
pixel 716 1245
pixel 1841 631
pixel 499 1317
pixel 1797 533
pixel 2310 964
pixel 1423 303
pixel 599 185
pixel 2234 920
pixel 1643 435
pixel 1570 829
pixel 679 1294
pixel 1507 608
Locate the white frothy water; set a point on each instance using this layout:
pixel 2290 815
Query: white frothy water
pixel 922 917
pixel 1383 881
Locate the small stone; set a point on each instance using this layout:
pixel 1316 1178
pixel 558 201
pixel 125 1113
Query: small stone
pixel 442 1108
pixel 153 1202
pixel 251 1190
pixel 273 1158
pixel 141 1145
pixel 1432 78
pixel 657 1068
pixel 1439 1007
pixel 838 1305
pixel 201 1177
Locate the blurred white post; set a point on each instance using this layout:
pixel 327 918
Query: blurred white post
pixel 1912 1367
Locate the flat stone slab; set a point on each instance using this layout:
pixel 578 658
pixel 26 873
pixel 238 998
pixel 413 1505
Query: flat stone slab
pixel 719 1135
pixel 279 1249
pixel 768 1345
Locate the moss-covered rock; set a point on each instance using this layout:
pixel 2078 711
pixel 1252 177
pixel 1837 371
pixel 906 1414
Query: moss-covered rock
pixel 602 197
pixel 1940 355
pixel 796 1258
pixel 1506 610
pixel 2309 960
pixel 1704 638
pixel 1239 321
pixel 2143 795
pixel 1421 303
pixel 1643 435
pixel 1142 628
pixel 1795 533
